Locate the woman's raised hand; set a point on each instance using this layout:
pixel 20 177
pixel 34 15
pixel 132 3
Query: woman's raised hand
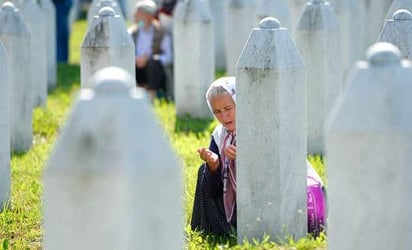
pixel 210 158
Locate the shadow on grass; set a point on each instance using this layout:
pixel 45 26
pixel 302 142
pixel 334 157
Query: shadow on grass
pixel 187 123
pixel 68 77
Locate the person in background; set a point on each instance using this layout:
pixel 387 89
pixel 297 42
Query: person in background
pixel 153 48
pixel 214 209
pixel 62 29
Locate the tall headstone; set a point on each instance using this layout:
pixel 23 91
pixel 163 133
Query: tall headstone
pixel 317 37
pixel 374 19
pixel 349 14
pixel 105 44
pixel 96 5
pixel 16 39
pixel 397 5
pixel 368 156
pixel 216 8
pixel 240 18
pixel 278 9
pixel 49 11
pixel 296 8
pixel 271 173
pixel 110 184
pixel 4 130
pixel 398 31
pixel 35 21
pixel 194 67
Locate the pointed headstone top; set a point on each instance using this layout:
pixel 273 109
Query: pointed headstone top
pixel 402 14
pixel 8 7
pixel 269 23
pixel 111 80
pixel 106 11
pixel 318 1
pixel 383 54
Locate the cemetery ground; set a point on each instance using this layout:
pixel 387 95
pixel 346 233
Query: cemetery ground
pixel 21 224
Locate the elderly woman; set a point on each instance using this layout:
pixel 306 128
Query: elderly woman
pixel 214 209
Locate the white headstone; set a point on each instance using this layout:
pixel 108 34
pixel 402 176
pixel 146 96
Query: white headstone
pixel 49 11
pixel 16 39
pixel 317 37
pixel 194 63
pixel 368 156
pixel 240 18
pixel 4 130
pixel 274 8
pixel 216 8
pixel 374 19
pixel 397 5
pixel 349 14
pixel 113 181
pixel 35 21
pixel 105 44
pixel 296 8
pixel 398 31
pixel 271 177
pixel 96 5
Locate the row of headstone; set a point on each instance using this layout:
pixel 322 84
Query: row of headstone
pixel 25 73
pixel 110 184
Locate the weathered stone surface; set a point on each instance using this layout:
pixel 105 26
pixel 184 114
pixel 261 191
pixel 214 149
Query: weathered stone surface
pixel 194 67
pixel 16 39
pixel 271 178
pixel 398 31
pixel 318 39
pixel 105 44
pixel 113 184
pixel 397 5
pixel 368 156
pixel 4 129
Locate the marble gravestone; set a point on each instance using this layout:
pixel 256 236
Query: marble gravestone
pixel 318 39
pixel 278 9
pixel 106 43
pixel 368 155
pixel 398 31
pixel 35 20
pixel 216 9
pixel 5 182
pixel 239 19
pixel 271 173
pixel 112 184
pixel 16 39
pixel 49 11
pixel 397 5
pixel 194 57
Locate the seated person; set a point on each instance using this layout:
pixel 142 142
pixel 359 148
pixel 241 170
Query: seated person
pixel 214 209
pixel 153 48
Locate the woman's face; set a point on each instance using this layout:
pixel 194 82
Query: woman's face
pixel 224 108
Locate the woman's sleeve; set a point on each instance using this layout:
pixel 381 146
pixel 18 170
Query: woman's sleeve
pixel 213 181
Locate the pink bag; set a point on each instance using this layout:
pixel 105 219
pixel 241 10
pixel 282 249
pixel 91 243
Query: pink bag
pixel 316 206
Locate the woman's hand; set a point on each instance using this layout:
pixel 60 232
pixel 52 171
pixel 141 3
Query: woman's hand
pixel 230 152
pixel 210 158
pixel 141 61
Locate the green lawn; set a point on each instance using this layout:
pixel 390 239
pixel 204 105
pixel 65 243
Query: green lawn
pixel 21 226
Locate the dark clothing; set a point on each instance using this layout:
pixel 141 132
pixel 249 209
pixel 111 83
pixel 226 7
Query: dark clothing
pixel 208 209
pixel 62 29
pixel 153 75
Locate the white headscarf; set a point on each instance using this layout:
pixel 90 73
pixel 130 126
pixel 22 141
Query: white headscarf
pixel 228 83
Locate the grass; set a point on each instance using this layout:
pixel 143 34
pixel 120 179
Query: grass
pixel 21 225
